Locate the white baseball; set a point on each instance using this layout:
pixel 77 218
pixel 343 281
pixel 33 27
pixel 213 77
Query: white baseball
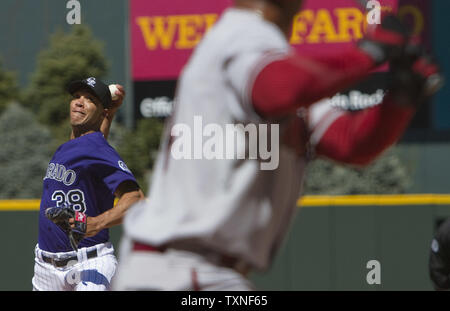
pixel 112 89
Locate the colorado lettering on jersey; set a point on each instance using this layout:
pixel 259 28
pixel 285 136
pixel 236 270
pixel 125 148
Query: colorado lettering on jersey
pixel 59 173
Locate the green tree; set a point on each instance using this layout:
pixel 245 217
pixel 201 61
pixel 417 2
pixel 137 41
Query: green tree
pixel 25 153
pixel 139 148
pixel 386 175
pixel 69 57
pixel 9 90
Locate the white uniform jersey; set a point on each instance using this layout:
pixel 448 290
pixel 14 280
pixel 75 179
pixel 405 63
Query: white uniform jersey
pixel 231 206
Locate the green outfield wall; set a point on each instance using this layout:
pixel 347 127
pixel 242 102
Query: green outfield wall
pixel 328 247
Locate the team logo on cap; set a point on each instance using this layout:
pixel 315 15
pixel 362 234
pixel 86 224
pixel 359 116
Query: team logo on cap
pixel 91 81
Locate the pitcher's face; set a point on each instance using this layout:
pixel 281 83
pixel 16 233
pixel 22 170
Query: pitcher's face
pixel 86 110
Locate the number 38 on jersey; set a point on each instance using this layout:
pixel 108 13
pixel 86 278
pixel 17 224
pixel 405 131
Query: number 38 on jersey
pixel 74 197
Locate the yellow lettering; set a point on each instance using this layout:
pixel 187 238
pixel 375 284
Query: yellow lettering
pixel 210 20
pixel 159 34
pixel 418 19
pixel 300 26
pixel 161 31
pixel 188 33
pixel 323 26
pixel 385 8
pixel 351 21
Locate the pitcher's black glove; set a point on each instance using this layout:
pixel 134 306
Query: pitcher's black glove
pixel 61 216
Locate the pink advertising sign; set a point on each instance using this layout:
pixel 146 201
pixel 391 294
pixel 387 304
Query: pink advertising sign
pixel 165 32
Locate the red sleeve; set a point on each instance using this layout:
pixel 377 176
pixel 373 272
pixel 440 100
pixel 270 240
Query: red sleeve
pixel 296 81
pixel 359 137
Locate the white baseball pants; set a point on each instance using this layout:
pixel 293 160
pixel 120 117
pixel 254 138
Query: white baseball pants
pixel 173 270
pixel 82 274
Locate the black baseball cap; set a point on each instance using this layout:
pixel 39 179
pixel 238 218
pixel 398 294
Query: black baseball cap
pixel 96 86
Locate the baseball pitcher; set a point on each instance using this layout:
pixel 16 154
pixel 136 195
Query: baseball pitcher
pixel 83 177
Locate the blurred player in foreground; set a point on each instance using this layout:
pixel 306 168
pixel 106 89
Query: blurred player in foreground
pixel 210 220
pixel 82 179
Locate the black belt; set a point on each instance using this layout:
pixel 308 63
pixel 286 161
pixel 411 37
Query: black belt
pixel 63 262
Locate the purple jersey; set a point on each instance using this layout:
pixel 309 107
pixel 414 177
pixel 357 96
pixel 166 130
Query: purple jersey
pixel 84 172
